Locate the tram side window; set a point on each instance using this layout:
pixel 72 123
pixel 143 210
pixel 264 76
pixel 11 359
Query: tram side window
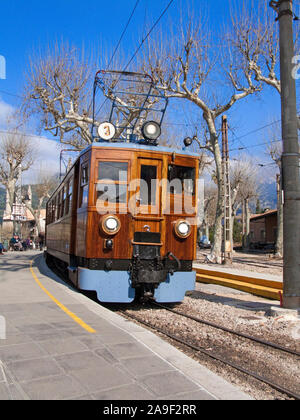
pixel 58 204
pixel 48 218
pixel 84 185
pixel 112 181
pixel 52 210
pixel 63 201
pixel 69 196
pixel 181 179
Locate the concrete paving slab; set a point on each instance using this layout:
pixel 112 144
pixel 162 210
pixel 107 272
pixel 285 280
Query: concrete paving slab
pixel 48 335
pixel 80 360
pixel 168 383
pixel 5 393
pixel 15 339
pixel 93 341
pixel 128 350
pixel 115 337
pixel 26 370
pixel 125 393
pixel 53 388
pixel 146 365
pixel 60 347
pixel 21 352
pixel 190 396
pixel 102 378
pixel 107 355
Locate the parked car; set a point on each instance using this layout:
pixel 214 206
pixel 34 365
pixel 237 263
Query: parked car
pixel 204 243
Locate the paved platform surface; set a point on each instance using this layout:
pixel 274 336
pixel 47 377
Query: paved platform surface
pixel 49 353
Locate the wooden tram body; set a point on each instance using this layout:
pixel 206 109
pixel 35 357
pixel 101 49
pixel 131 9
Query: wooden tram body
pixel 145 255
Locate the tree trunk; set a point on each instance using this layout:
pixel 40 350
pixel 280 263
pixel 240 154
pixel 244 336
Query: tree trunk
pixel 216 251
pixel 246 236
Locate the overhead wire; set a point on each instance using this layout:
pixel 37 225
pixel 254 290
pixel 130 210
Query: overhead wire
pixel 123 33
pixel 140 45
pixel 10 94
pixel 245 148
pixel 119 42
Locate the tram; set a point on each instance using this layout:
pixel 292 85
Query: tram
pixel 123 220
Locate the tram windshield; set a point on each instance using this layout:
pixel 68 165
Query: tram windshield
pixel 181 179
pixel 112 181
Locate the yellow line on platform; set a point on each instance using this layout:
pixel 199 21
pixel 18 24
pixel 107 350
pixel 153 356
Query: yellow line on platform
pixel 62 307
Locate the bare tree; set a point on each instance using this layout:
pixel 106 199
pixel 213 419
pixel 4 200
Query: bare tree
pixel 59 91
pixel 45 185
pixel 244 188
pixel 16 156
pixel 210 199
pixel 188 69
pixel 255 41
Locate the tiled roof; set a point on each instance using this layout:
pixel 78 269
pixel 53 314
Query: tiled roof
pixel 266 214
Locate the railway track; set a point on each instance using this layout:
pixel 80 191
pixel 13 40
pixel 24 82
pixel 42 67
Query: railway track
pixel 213 355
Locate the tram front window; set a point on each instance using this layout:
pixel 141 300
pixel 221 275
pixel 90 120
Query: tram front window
pixel 112 181
pixel 181 179
pixel 148 185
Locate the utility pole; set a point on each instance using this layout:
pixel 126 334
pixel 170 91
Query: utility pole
pixel 227 228
pixel 279 236
pixel 290 158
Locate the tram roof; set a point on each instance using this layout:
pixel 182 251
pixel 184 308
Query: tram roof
pixel 136 146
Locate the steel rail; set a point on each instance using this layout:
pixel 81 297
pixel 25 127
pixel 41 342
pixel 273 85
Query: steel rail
pixel 218 358
pixel 220 327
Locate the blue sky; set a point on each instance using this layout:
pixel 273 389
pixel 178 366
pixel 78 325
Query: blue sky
pixel 26 26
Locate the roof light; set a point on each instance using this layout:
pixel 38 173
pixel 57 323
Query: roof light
pixel 187 141
pixel 151 130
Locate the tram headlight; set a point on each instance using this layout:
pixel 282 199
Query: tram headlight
pixel 182 229
pixel 110 224
pixel 151 130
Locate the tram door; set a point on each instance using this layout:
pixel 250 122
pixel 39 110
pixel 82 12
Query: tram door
pixel 148 208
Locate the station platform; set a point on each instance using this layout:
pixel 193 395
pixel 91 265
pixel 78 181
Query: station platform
pixel 59 345
pixel 264 285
